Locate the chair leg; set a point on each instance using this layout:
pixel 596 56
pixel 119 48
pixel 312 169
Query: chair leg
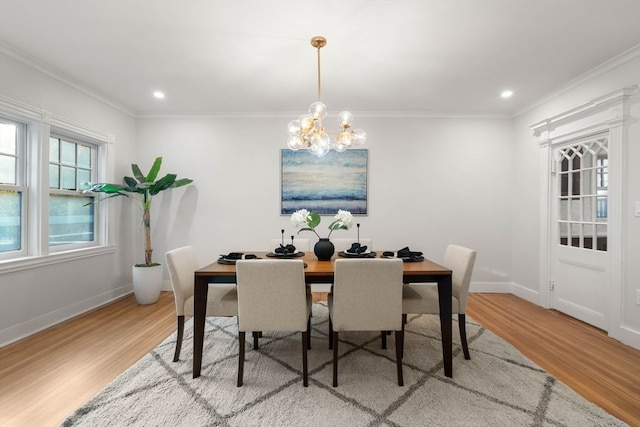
pixel 462 325
pixel 404 321
pixel 176 355
pixel 256 335
pixel 383 337
pixel 330 334
pixel 309 333
pixel 305 377
pixel 241 338
pixel 335 358
pixel 399 347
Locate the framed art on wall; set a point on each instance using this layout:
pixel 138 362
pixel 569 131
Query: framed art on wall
pixel 324 184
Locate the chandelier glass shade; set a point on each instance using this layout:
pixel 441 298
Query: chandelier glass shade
pixel 307 131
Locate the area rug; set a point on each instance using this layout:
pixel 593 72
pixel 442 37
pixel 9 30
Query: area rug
pixel 497 387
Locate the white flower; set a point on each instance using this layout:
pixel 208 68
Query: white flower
pixel 299 218
pixel 344 219
pixel 308 221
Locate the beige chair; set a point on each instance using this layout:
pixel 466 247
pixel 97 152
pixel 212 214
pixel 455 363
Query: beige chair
pixel 366 296
pixel 272 297
pixel 423 298
pixel 222 298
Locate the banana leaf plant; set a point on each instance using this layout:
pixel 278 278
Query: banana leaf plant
pixel 142 188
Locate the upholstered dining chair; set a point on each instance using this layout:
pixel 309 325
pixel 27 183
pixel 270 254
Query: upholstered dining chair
pixel 423 298
pixel 366 296
pixel 272 297
pixel 222 298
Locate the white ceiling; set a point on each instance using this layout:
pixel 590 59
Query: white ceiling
pixel 447 57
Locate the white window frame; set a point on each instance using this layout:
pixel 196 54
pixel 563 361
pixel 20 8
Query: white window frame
pixel 40 125
pixel 20 186
pixel 53 191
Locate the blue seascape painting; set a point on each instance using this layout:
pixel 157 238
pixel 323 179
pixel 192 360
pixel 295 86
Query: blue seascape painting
pixel 324 184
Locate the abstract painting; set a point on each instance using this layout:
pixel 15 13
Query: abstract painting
pixel 324 184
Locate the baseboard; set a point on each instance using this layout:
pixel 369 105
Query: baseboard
pixel 525 293
pixel 490 287
pixel 627 336
pixel 40 323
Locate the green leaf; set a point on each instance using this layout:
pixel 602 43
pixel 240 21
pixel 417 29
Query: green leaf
pixel 105 198
pixel 313 220
pixel 131 182
pixel 164 183
pixel 104 188
pixel 137 173
pixel 181 182
pixel 155 169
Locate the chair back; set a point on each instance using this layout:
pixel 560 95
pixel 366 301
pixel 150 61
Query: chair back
pixel 302 245
pixel 271 295
pixel 460 260
pixel 182 262
pixel 343 244
pixel 367 295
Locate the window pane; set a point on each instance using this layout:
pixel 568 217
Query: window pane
pixel 54 150
pixel 84 156
pixel 7 138
pixel 54 176
pixel 84 176
pixel 68 153
pixel 7 169
pixel 564 233
pixel 10 220
pixel 601 231
pixel 588 209
pixel 575 235
pixel 69 220
pixel 588 236
pixel 68 178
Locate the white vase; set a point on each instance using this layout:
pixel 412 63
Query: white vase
pixel 147 283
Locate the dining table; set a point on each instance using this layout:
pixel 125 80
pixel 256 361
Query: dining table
pixel 414 271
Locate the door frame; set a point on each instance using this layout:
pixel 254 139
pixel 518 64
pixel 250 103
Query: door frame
pixel 608 113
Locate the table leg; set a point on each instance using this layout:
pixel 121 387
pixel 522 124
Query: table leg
pixel 444 298
pixel 199 315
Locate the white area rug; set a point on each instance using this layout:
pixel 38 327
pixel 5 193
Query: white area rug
pixel 497 387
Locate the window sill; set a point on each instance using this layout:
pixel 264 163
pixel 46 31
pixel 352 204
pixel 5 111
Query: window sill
pixel 19 264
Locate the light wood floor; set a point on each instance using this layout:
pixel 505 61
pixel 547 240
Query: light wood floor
pixel 46 377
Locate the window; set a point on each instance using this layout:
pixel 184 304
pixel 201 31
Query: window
pixel 13 192
pixel 71 166
pixel 584 193
pixel 45 163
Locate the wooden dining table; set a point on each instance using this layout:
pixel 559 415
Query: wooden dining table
pixel 424 271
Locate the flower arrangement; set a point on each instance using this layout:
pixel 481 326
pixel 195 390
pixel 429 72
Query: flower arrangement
pixel 310 220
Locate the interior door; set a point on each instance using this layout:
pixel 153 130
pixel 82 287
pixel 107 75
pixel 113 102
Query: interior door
pixel 580 260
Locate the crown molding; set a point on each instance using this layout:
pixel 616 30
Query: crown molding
pixel 61 77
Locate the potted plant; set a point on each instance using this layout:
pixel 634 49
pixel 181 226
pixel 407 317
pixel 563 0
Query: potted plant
pixel 147 277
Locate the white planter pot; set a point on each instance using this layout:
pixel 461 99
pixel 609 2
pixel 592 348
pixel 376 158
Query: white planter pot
pixel 147 283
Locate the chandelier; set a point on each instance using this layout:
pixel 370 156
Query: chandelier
pixel 307 132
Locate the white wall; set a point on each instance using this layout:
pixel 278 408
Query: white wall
pixel 44 295
pixel 431 182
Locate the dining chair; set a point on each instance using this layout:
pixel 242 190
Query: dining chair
pixel 272 297
pixel 366 296
pixel 423 298
pixel 222 299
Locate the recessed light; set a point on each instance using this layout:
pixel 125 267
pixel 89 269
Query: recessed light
pixel 158 95
pixel 506 93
